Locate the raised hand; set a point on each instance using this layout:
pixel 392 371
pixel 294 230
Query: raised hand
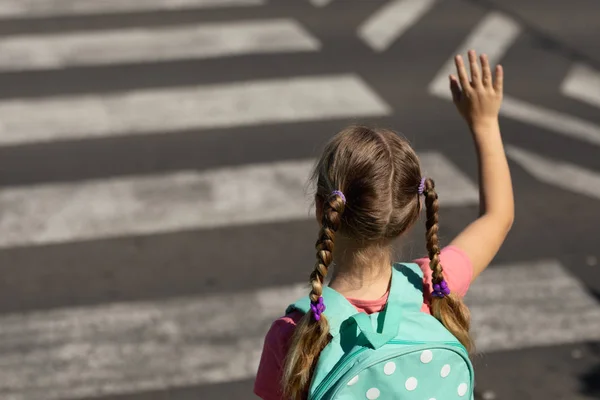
pixel 478 99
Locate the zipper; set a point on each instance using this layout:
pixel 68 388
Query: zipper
pixel 338 372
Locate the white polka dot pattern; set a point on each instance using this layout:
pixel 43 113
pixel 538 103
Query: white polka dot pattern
pixel 426 356
pixel 424 374
pixel 411 384
pixel 373 394
pixel 445 371
pixel 389 368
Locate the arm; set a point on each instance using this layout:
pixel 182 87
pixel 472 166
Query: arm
pixel 276 345
pixel 479 101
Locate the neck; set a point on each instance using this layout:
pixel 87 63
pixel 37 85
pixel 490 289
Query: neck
pixel 361 272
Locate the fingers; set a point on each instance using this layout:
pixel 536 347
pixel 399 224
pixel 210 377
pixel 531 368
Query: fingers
pixel 479 78
pixel 475 73
pixel 486 73
pixel 462 73
pixel 455 89
pixel 499 82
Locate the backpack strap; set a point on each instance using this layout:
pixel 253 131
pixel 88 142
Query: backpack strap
pixel 338 308
pixel 407 286
pixel 406 293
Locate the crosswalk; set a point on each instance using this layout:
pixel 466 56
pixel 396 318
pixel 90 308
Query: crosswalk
pixel 97 209
pixel 562 174
pixel 146 111
pixel 110 344
pixel 196 340
pixel 46 8
pixel 496 33
pixel 131 45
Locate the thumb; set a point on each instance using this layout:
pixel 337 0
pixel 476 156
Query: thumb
pixel 455 89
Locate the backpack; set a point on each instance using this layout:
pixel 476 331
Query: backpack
pixel 398 353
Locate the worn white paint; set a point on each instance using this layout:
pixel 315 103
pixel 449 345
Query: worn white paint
pixel 493 35
pixel 557 173
pixel 531 304
pixel 52 8
pixel 142 44
pixel 391 21
pixel 225 105
pixel 261 193
pixel 551 120
pixel 583 83
pixel 132 347
pixel 454 188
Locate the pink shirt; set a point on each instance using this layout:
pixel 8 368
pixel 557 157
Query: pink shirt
pixel 458 272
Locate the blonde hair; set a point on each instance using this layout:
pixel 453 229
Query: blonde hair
pixel 379 174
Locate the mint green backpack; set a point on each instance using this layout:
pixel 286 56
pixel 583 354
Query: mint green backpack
pixel 398 353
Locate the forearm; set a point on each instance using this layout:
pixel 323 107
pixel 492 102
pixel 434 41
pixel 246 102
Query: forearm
pixel 495 187
pixel 482 239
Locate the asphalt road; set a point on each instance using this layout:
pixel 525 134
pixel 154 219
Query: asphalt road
pixel 141 178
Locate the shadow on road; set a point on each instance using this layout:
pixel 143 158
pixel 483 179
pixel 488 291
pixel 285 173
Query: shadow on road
pixel 545 40
pixel 590 380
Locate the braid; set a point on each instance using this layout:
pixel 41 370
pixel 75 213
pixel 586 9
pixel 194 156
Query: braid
pixel 332 211
pixel 449 310
pixel 433 243
pixel 311 336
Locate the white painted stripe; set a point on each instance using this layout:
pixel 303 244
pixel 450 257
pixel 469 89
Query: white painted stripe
pixel 199 41
pixel 46 8
pixel 194 107
pixel 51 213
pixel 531 304
pixel 553 121
pixel 493 35
pixel 583 83
pixel 320 3
pixel 453 187
pixel 558 173
pixel 262 193
pixel 390 22
pixel 130 347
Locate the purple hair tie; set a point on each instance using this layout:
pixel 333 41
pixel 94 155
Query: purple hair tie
pixel 441 289
pixel 339 193
pixel 318 308
pixel 422 186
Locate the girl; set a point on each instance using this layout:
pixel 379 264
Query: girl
pixel 369 185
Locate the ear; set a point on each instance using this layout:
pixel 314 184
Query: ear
pixel 319 209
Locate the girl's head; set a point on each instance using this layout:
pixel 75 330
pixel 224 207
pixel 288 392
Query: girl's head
pixel 378 175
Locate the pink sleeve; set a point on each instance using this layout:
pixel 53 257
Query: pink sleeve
pixel 277 342
pixel 458 270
